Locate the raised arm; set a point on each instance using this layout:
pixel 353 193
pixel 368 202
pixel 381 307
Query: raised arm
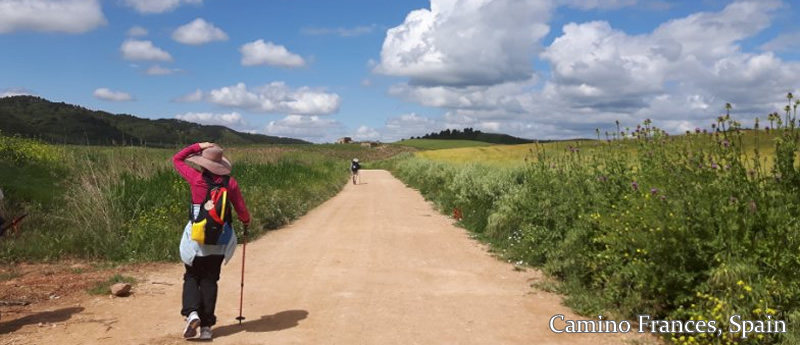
pixel 178 160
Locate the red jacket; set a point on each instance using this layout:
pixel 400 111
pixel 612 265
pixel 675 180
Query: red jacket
pixel 199 187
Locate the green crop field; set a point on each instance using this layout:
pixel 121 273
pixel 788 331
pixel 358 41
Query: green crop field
pixel 516 154
pixel 438 144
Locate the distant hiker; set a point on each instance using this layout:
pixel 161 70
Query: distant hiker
pixel 354 167
pixel 208 237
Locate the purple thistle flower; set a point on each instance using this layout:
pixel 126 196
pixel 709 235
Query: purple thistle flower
pixel 714 165
pixel 663 198
pixel 653 191
pixel 725 143
pixel 635 185
pixel 697 130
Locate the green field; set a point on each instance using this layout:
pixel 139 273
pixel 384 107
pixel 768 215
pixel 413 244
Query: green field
pixel 692 227
pixel 519 154
pixel 128 203
pixel 439 144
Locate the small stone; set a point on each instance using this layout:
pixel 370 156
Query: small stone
pixel 120 289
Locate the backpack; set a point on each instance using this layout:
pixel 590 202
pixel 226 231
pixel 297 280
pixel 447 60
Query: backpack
pixel 213 222
pixel 355 166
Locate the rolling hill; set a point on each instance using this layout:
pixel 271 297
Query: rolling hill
pixel 64 123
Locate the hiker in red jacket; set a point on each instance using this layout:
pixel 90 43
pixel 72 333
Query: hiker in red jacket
pixel 203 261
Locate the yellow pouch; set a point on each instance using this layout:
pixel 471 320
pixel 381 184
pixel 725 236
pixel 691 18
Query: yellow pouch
pixel 199 231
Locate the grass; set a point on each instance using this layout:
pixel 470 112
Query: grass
pixel 520 154
pixel 104 287
pixel 437 144
pixel 127 204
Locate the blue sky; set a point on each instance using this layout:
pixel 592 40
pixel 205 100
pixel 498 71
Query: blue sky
pixel 385 70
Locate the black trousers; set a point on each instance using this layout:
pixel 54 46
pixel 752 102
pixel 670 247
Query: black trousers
pixel 200 288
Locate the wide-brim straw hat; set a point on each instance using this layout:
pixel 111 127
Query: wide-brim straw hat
pixel 212 160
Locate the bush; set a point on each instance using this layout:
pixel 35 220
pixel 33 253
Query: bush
pixel 692 227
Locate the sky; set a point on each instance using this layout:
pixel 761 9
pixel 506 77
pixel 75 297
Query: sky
pixel 387 70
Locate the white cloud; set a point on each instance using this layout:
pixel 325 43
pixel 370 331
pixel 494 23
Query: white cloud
pixel 619 73
pixel 400 127
pixel 312 128
pixel 260 53
pixel 195 96
pixel 70 16
pixel 16 91
pixel 695 55
pixel 366 82
pixel 412 125
pixel 504 96
pixel 276 97
pixel 342 32
pixel 114 96
pixel 467 42
pixel 601 4
pixel 364 133
pixel 158 6
pixel 407 125
pixel 231 120
pixel 136 31
pixel 158 70
pixel 199 32
pixel 680 75
pixel 785 42
pixel 143 50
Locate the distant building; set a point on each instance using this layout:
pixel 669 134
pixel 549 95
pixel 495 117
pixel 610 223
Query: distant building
pixel 344 140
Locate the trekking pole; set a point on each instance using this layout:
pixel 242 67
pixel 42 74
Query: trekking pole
pixel 241 289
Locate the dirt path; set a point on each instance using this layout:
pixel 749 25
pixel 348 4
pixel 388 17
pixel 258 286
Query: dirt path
pixel 374 265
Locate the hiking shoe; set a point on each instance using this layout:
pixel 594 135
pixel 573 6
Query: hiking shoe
pixel 192 321
pixel 205 333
